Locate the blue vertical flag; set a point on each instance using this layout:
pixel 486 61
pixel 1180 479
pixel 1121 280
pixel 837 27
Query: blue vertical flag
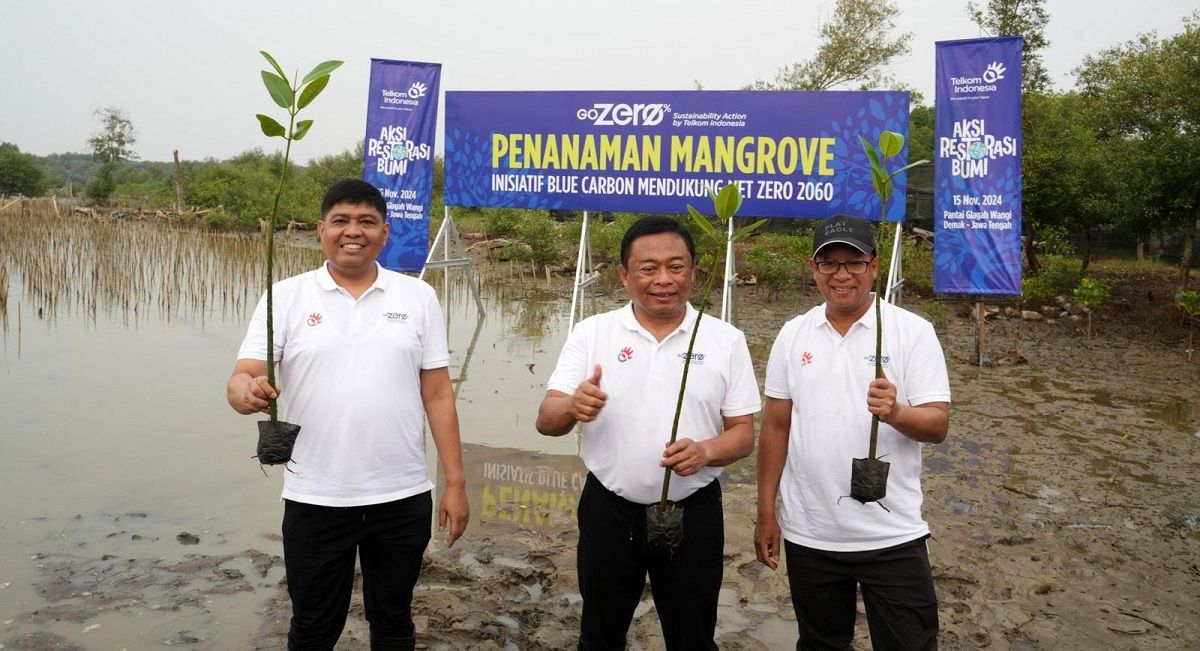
pixel 977 167
pixel 398 154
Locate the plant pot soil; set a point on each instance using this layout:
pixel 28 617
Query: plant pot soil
pixel 664 528
pixel 275 441
pixel 868 480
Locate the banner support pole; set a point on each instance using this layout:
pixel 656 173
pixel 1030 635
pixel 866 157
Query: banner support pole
pixel 584 274
pixel 449 240
pixel 730 278
pixel 895 277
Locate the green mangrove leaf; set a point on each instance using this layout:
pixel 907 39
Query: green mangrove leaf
pixel 270 127
pixel 727 201
pixel 747 230
pixel 874 157
pixel 1189 302
pixel 280 91
pixel 274 64
pixel 890 143
pixel 311 91
pixel 321 70
pixel 883 185
pixel 301 128
pixel 907 167
pixel 702 223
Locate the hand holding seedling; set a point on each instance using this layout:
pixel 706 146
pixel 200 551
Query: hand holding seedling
pixel 881 399
pixel 588 399
pixel 248 390
pixel 685 457
pixel 258 394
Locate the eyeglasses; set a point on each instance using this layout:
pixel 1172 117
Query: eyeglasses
pixel 854 267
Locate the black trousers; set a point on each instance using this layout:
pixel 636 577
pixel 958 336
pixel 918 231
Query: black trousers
pixel 319 546
pixel 613 559
pixel 897 589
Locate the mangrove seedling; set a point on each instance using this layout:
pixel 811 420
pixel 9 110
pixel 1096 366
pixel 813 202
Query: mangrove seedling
pixel 275 437
pixel 664 519
pixel 1090 293
pixel 1189 302
pixel 868 476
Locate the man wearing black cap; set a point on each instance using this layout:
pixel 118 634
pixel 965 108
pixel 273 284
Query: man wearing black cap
pixel 821 394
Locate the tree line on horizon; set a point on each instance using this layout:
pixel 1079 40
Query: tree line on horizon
pixel 1106 156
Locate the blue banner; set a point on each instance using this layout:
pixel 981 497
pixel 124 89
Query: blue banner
pixel 977 167
pixel 398 154
pixel 794 153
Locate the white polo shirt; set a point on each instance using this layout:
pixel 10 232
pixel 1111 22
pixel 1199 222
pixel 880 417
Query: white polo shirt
pixel 624 445
pixel 826 377
pixel 349 375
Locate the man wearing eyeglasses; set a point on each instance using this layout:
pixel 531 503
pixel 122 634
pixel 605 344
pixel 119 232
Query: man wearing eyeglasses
pixel 821 394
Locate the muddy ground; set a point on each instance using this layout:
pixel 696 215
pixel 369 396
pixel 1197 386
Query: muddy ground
pixel 1064 506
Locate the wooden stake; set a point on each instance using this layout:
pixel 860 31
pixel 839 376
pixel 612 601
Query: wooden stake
pixel 982 318
pixel 178 184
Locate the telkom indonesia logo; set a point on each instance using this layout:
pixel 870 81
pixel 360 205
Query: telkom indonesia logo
pixel 417 90
pixel 625 355
pixel 995 72
pixel 604 114
pixel 314 319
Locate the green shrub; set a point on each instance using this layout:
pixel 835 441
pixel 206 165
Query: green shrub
pixel 1091 293
pixel 501 222
pixel 606 237
pixel 538 232
pixel 1056 241
pixel 1058 275
pixel 776 260
pixel 917 263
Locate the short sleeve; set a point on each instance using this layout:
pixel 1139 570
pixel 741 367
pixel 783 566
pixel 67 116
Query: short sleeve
pixel 742 396
pixel 925 376
pixel 777 384
pixel 254 346
pixel 435 352
pixel 572 368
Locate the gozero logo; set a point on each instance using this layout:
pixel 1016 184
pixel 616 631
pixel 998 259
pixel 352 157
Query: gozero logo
pixel 603 114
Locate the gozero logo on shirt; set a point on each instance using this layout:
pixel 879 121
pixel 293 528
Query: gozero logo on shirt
pixel 871 359
pixel 395 317
pixel 697 358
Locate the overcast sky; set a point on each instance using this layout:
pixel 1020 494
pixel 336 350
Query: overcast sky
pixel 187 73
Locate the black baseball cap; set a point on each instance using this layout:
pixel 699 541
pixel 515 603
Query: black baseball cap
pixel 844 229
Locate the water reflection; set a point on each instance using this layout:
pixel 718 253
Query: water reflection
pixel 113 403
pixel 117 307
pixel 128 271
pixel 512 488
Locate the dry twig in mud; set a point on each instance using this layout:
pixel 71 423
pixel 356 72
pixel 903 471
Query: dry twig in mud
pixel 1129 613
pixel 1018 491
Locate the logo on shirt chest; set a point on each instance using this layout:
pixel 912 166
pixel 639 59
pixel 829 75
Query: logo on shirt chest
pixel 625 355
pixel 870 359
pixel 806 358
pixel 697 358
pixel 395 317
pixel 314 319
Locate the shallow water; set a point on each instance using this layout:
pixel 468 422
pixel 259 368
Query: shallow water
pixel 117 437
